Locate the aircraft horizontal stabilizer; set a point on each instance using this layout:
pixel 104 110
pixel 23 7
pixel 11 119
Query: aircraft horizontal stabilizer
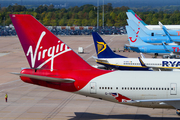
pixel 134 48
pixel 131 46
pixel 101 61
pixel 95 57
pixel 48 79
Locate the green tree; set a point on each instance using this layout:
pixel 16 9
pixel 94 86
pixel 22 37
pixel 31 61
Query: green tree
pixel 84 22
pixel 62 22
pixel 77 22
pixel 53 22
pixel 92 14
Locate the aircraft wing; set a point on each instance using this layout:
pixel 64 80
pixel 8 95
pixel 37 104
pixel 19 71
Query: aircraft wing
pixel 154 68
pixel 155 100
pixel 168 34
pixel 177 42
pixel 45 78
pixel 173 52
pixel 142 63
pixel 175 102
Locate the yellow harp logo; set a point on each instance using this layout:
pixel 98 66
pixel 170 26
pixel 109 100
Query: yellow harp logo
pixel 101 46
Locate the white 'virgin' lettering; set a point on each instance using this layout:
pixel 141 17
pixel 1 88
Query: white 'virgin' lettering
pixel 44 53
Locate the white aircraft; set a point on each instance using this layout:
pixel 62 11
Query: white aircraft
pixel 111 60
pixel 55 65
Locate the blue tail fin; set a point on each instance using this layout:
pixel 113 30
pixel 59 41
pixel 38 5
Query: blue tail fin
pixel 102 49
pixel 137 17
pixel 137 21
pixel 133 25
pixel 133 37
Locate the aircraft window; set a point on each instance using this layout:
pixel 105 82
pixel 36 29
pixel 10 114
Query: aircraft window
pixel 111 88
pixel 108 87
pixel 164 88
pixel 167 88
pixel 125 88
pixel 128 88
pixel 105 87
pixel 145 88
pixel 116 87
pixel 102 87
pixel 171 88
pixel 136 88
pixel 99 87
pixel 156 88
pixel 131 88
pixel 159 88
pixel 142 88
pixel 122 88
pixel 150 88
pixel 139 88
pixel 153 88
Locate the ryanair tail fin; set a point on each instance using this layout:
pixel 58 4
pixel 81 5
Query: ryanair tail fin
pixel 102 49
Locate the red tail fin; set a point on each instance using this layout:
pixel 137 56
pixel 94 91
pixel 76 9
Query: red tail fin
pixel 42 48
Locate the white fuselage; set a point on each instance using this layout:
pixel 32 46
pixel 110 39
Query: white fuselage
pixel 149 62
pixel 158 27
pixel 136 85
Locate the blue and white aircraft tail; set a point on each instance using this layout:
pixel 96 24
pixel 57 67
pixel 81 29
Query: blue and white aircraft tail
pixel 132 24
pixel 102 49
pixel 133 36
pixel 153 39
pixel 131 11
pixel 152 27
pixel 158 32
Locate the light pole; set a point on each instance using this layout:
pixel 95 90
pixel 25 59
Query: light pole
pixel 103 15
pixel 97 14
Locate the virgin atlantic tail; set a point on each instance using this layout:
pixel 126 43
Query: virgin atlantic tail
pixel 42 48
pixel 53 64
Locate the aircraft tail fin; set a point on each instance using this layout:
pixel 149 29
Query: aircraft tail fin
pixel 133 37
pixel 43 49
pixel 138 22
pixel 102 49
pixel 137 17
pixel 132 24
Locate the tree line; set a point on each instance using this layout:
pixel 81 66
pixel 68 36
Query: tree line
pixel 86 15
